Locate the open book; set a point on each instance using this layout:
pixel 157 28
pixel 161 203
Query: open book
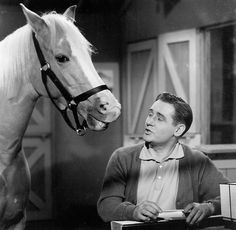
pixel 162 217
pixel 172 214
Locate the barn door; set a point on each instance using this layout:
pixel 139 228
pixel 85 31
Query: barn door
pixel 141 87
pixel 177 70
pixel 37 147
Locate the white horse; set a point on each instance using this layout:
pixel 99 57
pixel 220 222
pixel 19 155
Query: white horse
pixel 46 57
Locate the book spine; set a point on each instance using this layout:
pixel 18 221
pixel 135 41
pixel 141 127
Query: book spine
pixel 116 226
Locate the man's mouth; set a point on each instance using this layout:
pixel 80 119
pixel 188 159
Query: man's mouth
pixel 147 131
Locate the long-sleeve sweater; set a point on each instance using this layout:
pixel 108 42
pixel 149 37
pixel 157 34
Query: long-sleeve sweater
pixel 199 181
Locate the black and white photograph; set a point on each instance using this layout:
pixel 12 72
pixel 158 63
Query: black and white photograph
pixel 117 114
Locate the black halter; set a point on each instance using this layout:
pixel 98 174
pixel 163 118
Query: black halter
pixel 72 102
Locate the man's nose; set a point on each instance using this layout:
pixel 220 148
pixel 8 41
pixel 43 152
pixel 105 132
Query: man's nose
pixel 149 121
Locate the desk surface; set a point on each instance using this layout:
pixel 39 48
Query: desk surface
pixel 167 224
pixel 217 148
pixel 230 224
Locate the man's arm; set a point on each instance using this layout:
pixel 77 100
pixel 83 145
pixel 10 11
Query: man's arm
pixel 111 204
pixel 209 188
pixel 196 212
pixel 209 180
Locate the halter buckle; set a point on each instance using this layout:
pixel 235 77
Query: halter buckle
pixel 45 67
pixel 71 104
pixel 81 132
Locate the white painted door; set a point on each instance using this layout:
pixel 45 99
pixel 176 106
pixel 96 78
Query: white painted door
pixel 38 150
pixel 178 67
pixel 141 87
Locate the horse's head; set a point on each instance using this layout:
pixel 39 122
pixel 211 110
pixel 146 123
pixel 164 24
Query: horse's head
pixel 69 55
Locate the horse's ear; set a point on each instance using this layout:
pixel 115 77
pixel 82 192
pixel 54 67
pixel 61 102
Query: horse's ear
pixel 38 25
pixel 70 13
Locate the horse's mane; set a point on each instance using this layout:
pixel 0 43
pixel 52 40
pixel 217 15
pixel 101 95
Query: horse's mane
pixel 58 21
pixel 16 50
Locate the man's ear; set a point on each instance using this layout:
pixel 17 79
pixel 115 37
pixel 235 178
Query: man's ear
pixel 180 128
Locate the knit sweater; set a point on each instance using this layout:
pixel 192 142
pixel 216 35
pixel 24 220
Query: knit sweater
pixel 199 181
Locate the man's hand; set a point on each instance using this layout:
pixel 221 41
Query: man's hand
pixel 146 211
pixel 198 212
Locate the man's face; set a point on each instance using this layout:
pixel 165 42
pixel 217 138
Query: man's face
pixel 159 125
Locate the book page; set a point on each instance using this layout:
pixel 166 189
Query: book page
pixel 172 214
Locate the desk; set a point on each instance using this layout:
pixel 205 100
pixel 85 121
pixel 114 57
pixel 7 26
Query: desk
pixel 213 221
pixel 230 224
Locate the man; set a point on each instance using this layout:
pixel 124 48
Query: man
pixel 143 180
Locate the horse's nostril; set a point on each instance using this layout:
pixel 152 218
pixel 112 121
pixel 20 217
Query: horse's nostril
pixel 103 106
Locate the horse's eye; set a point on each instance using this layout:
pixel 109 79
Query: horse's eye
pixel 62 58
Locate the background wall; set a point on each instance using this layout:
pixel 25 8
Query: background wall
pixel 148 18
pixel 10 19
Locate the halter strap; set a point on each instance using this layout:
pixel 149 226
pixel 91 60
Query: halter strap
pixel 72 102
pixel 45 67
pixel 84 96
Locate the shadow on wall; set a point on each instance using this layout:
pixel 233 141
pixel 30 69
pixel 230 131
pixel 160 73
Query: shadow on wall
pixel 74 202
pixel 79 170
pixel 168 5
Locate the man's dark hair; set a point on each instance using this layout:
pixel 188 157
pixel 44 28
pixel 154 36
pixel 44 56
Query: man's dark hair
pixel 183 112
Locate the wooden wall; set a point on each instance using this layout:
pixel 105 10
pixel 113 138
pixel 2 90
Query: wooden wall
pixel 147 19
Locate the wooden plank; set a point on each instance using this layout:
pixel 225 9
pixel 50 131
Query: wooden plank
pixel 138 47
pixel 40 151
pixel 166 224
pixel 217 148
pixel 190 36
pixel 142 92
pixel 173 73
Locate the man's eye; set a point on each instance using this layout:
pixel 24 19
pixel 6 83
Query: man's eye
pixel 62 58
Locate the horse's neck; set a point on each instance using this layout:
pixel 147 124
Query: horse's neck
pixel 16 104
pixel 14 117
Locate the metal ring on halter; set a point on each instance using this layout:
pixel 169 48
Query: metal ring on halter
pixel 81 132
pixel 71 103
pixel 45 67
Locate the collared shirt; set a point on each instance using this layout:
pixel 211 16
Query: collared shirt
pixel 158 181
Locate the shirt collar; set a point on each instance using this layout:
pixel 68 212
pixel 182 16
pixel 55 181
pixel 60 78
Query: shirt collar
pixel 151 154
